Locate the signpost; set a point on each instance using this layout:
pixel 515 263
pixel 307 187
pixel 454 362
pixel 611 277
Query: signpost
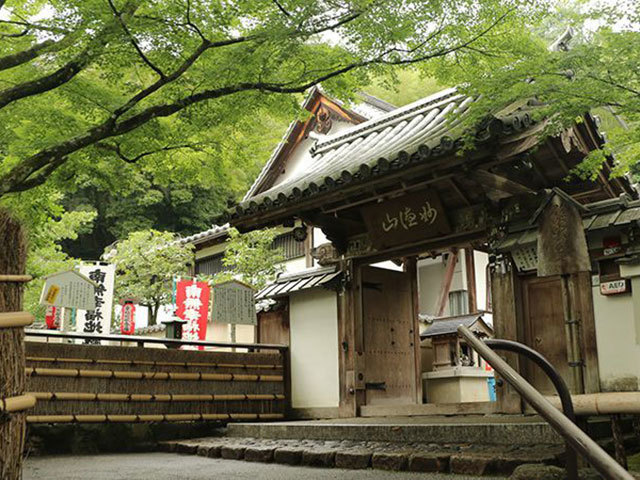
pixel 234 303
pixel 98 319
pixel 615 287
pixel 68 289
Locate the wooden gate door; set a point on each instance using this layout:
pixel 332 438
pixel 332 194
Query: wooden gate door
pixel 544 329
pixel 389 345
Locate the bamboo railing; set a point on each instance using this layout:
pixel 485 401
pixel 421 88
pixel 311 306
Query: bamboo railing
pixel 17 403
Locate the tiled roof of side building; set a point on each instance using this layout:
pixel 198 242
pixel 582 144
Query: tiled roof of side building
pixel 216 231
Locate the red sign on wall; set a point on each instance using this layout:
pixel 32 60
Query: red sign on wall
pixel 128 318
pixel 192 302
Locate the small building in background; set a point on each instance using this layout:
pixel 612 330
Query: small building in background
pixel 452 372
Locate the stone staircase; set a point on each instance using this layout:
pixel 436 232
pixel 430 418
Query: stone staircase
pixel 460 445
pixel 464 459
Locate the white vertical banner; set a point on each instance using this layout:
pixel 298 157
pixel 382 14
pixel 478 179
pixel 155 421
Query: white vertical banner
pixel 98 321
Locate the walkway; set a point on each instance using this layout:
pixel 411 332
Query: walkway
pixel 168 466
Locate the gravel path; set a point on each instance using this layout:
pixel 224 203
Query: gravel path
pixel 169 466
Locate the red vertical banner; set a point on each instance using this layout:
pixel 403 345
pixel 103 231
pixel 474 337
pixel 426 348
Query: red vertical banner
pixel 128 318
pixel 192 305
pixel 52 317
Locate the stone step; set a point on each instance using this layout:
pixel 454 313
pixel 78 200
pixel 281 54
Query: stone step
pixel 465 459
pixel 497 431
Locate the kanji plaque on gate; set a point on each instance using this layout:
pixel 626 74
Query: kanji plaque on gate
pixel 405 219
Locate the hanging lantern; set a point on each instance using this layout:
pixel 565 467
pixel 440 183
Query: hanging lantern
pixel 127 318
pixel 52 317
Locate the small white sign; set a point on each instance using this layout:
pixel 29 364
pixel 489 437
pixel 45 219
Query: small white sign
pixel 68 289
pixel 615 287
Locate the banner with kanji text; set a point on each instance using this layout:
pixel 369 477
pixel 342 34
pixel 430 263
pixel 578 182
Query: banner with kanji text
pixel 192 305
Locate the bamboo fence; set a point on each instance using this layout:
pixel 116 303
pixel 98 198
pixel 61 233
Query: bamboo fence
pixel 76 383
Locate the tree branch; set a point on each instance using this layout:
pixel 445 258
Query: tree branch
pixel 281 8
pixel 117 150
pixel 35 26
pixel 133 41
pixel 47 160
pixel 65 73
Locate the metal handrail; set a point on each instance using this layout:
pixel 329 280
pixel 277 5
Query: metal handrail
pixel 162 341
pixel 560 385
pixel 579 440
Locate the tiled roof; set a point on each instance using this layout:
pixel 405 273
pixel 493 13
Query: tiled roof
pixel 428 128
pixel 215 231
pixel 615 212
pixel 293 282
pixel 449 325
pixel 370 107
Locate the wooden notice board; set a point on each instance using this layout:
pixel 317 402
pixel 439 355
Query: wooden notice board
pixel 405 219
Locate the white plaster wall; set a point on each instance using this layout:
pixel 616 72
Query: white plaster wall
pixel 617 319
pixel 221 332
pixel 314 349
pixel 295 265
pixel 430 275
pixel 319 237
pixel 481 261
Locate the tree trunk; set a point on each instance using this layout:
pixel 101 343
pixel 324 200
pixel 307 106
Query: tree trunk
pixel 12 357
pixel 153 320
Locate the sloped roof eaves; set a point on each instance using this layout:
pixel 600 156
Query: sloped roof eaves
pixel 296 282
pixel 449 326
pixel 315 92
pixel 216 231
pixel 618 213
pixel 410 140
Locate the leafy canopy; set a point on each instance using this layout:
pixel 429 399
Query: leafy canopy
pixel 146 264
pixel 88 87
pixel 251 258
pixel 596 71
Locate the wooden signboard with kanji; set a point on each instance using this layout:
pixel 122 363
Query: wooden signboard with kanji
pixel 233 302
pixel 406 219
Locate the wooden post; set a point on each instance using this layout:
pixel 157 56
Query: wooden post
pixel 12 362
pixel 470 268
pixel 581 295
pixel 443 296
pixel 411 269
pixel 618 441
pixel 505 297
pixel 346 347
